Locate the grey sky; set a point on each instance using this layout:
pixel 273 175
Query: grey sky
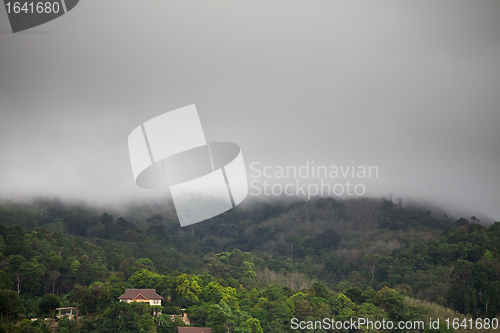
pixel 409 86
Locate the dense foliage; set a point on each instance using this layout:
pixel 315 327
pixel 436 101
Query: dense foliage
pixel 249 270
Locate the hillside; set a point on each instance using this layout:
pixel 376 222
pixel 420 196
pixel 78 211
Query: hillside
pixel 257 257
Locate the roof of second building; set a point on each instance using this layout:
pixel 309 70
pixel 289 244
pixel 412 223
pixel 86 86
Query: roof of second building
pixel 194 330
pixel 146 293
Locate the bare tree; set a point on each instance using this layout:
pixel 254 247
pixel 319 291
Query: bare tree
pixel 371 261
pixel 17 275
pixel 54 275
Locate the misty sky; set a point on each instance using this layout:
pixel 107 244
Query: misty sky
pixel 412 87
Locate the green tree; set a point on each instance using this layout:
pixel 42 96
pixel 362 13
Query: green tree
pixel 221 317
pixel 330 238
pixel 253 325
pixel 145 279
pixel 392 301
pixel 11 305
pixel 302 309
pixel 188 288
pixel 164 324
pixel 355 294
pixel 49 303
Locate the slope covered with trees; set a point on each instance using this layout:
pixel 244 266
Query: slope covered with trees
pixel 251 269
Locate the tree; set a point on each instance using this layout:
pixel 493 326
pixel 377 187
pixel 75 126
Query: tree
pixel 11 305
pixel 188 288
pixel 221 317
pixel 95 298
pixel 371 261
pixel 355 294
pixel 253 325
pixel 392 301
pixel 475 219
pixel 164 324
pixel 142 263
pixel 75 266
pixel 461 222
pixel 213 265
pixel 125 317
pixel 15 262
pixel 320 290
pixel 144 319
pixel 330 238
pixel 145 279
pixel 54 275
pixel 391 265
pixel 156 219
pixel 302 309
pixel 246 270
pixel 32 273
pixel 106 219
pixel 48 303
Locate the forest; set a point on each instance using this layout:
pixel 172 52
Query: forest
pixel 251 269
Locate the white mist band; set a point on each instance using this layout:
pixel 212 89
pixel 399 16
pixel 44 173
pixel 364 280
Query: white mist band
pixel 205 179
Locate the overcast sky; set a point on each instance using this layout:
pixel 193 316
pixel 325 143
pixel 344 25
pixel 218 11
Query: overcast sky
pixel 412 87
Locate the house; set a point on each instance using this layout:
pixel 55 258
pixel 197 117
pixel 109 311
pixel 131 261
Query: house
pixel 194 330
pixel 141 295
pixel 71 312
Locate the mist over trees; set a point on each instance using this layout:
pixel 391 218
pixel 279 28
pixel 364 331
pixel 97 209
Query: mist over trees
pixel 248 270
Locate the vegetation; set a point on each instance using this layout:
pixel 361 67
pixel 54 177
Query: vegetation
pixel 250 269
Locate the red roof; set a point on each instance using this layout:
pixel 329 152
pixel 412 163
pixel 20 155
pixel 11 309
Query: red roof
pixel 140 294
pixel 194 330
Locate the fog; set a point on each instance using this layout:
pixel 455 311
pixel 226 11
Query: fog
pixel 408 86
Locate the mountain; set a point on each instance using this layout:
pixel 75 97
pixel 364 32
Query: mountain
pixel 336 258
